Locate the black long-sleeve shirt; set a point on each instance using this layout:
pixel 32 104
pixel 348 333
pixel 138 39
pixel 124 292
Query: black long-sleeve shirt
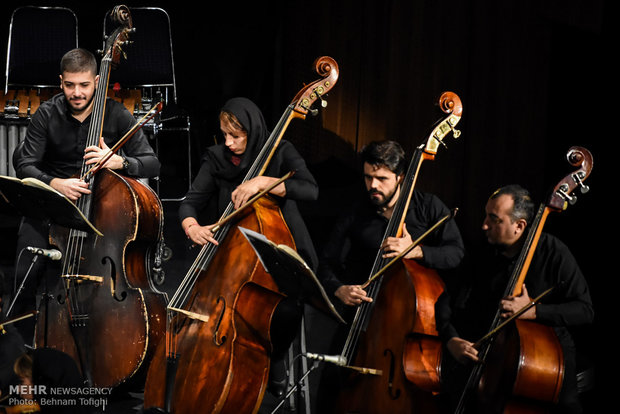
pixel 354 243
pixel 468 312
pixel 54 144
pixel 302 186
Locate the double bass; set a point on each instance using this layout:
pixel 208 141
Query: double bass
pixel 216 356
pixel 402 305
pixel 522 363
pixel 105 312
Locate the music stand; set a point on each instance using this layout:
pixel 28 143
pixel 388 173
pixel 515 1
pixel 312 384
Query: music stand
pixel 292 275
pixel 33 198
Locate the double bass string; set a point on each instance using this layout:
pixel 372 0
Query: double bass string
pixel 75 242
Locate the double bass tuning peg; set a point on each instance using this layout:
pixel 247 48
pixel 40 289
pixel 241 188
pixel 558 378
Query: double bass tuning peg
pixel 318 93
pixel 578 179
pixel 562 192
pixel 314 111
pixel 455 132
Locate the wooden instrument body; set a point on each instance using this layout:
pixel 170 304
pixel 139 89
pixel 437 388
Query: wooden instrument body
pixel 524 370
pixel 402 317
pixel 381 347
pixel 541 357
pixel 110 327
pixel 225 361
pixel 422 355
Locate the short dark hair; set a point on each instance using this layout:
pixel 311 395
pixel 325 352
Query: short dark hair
pixel 523 205
pixel 78 60
pixel 388 154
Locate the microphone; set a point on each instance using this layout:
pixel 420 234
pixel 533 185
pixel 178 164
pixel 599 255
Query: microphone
pixel 51 254
pixel 342 362
pixel 334 359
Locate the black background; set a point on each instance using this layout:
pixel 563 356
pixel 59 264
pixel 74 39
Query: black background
pixel 535 77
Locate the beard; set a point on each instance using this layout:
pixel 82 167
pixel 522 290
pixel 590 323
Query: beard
pixel 383 200
pixel 78 110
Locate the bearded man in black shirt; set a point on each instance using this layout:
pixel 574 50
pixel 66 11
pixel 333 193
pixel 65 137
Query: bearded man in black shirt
pixel 54 149
pixel 358 234
pixel 357 237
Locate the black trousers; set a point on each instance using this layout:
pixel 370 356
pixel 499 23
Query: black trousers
pixel 30 271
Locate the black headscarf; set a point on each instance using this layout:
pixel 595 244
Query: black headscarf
pixel 252 120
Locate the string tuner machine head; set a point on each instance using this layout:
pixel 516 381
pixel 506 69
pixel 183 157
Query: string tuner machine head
pixel 323 102
pixel 455 132
pixel 578 177
pixel 318 94
pixel 562 192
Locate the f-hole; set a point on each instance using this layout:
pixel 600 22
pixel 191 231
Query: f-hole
pixel 393 395
pixel 216 341
pixel 116 295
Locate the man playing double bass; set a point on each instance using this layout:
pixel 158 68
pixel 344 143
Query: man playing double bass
pixel 357 236
pixel 464 313
pixel 54 148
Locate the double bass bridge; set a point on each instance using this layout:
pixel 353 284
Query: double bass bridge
pixel 190 314
pixel 83 278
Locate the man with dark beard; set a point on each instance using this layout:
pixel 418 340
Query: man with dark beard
pixel 358 236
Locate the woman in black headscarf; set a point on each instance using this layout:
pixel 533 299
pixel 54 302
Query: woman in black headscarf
pixel 225 165
pixel 219 181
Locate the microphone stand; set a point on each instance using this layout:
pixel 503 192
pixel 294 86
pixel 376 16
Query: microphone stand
pixel 21 286
pixel 283 399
